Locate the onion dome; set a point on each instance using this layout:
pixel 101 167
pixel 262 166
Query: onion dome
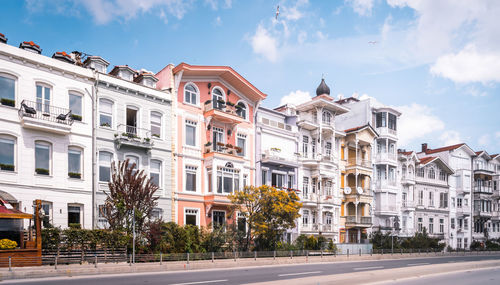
pixel 322 88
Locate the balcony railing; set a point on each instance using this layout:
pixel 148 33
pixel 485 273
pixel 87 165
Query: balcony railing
pixel 223 149
pixel 358 220
pixel 45 112
pixel 222 106
pixel 482 166
pixel 385 131
pixel 383 156
pixel 359 162
pixel 278 156
pixel 133 136
pixel 483 189
pixel 327 228
pixel 310 227
pixel 385 183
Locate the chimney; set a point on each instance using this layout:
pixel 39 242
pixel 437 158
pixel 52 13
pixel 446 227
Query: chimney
pixel 424 147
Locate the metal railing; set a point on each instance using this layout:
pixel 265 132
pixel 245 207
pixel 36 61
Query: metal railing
pixel 359 162
pixel 222 107
pixel 45 112
pixel 358 220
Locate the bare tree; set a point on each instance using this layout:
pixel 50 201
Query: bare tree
pixel 129 190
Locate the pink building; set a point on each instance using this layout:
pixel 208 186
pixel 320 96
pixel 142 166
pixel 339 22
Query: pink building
pixel 215 136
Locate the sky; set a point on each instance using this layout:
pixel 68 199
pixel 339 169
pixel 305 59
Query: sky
pixel 436 61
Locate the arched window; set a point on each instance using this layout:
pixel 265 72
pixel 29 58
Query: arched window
pixel 190 94
pixel 7 90
pixel 327 117
pixel 218 98
pixel 7 153
pixel 241 110
pixel 431 174
pixel 106 113
pixel 75 162
pixel 43 157
pixel 105 166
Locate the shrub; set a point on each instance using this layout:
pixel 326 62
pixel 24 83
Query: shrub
pixel 7 244
pixel 42 171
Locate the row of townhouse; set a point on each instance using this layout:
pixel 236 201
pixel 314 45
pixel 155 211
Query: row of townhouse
pixel 201 133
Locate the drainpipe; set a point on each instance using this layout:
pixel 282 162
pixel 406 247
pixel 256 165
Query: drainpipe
pixel 93 96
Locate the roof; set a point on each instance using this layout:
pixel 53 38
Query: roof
pixel 360 128
pixel 405 152
pixel 428 159
pixel 449 148
pixel 6 211
pixel 322 88
pixel 115 69
pixel 145 75
pixel 31 43
pixel 342 101
pixel 226 73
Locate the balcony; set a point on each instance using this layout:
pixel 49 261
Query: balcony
pixel 408 179
pixel 408 205
pixel 310 197
pixel 352 162
pixel 274 156
pixel 133 137
pixel 483 189
pixel 222 149
pixel 222 112
pixel 383 157
pixel 307 121
pixel 361 222
pixel 45 117
pixel 463 211
pixel 385 131
pixel 328 228
pixel 384 183
pixel 482 214
pixel 483 168
pixel 309 228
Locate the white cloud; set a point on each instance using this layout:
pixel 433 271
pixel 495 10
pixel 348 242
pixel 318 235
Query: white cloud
pixel 416 122
pixel 474 91
pixel 361 7
pixel 296 98
pixel 264 44
pixel 450 137
pixel 301 37
pixel 218 21
pixel 468 66
pixel 484 140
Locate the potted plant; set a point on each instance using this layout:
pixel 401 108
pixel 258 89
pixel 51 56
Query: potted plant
pixel 75 175
pixel 230 103
pixel 147 140
pixel 229 145
pixel 220 144
pixel 107 125
pixel 8 167
pixel 42 171
pixel 8 102
pixel 76 117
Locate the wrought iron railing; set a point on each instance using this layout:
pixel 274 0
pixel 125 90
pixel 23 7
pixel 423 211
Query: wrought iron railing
pixel 45 112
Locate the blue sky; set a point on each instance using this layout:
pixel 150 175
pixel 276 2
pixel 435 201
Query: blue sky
pixel 436 61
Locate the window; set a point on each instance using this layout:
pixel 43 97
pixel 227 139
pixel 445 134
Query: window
pixel 420 172
pixel 245 180
pixel 133 162
pixel 156 125
pixel 241 142
pixel 218 99
pixel 305 217
pixel 75 162
pixel 431 174
pixel 459 242
pixel 305 185
pixel 441 225
pixel 74 215
pixel 75 105
pixel 190 133
pixel 381 120
pixel 242 223
pixel 241 110
pixel 313 146
pixel 329 218
pixel 228 180
pixel 264 177
pixel 392 121
pixel 105 113
pixel 191 217
pixel 7 90
pixel 431 225
pixel 7 149
pixel 421 197
pixel 442 175
pixel 328 151
pixel 47 214
pixel 43 98
pixel 314 184
pixel 431 198
pixel 105 166
pixel 218 219
pixel 459 202
pixel 327 117
pixel 277 180
pixel 466 223
pixel 305 145
pixel 156 214
pixel 155 172
pixel 452 221
pixel 465 242
pixel 290 181
pixel 420 228
pixel 191 178
pixel 218 137
pixel 443 200
pixel 42 158
pixel 190 94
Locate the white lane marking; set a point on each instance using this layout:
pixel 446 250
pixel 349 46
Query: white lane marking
pixel 201 282
pixel 300 273
pixel 366 268
pixel 421 263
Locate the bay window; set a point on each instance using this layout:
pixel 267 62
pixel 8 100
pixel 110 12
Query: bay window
pixel 228 180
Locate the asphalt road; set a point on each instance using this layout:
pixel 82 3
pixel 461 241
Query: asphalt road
pixel 483 277
pixel 256 274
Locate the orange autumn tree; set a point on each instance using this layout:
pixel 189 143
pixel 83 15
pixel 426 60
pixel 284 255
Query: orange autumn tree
pixel 269 212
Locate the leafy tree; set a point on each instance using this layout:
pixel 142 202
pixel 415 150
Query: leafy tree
pixel 214 240
pixel 129 189
pixel 269 212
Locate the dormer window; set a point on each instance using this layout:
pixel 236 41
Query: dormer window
pixel 146 79
pixel 97 63
pixel 125 75
pixel 124 72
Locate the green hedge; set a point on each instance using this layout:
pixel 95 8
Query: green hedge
pixel 80 239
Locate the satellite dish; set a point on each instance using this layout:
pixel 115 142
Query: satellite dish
pixel 359 190
pixel 347 190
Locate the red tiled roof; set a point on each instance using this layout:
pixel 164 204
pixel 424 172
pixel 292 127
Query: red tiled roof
pixel 31 43
pixel 354 129
pixel 446 148
pixel 405 152
pixel 478 152
pixel 426 159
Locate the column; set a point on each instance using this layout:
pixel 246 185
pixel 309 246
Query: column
pixel 356 211
pixel 347 236
pixel 359 235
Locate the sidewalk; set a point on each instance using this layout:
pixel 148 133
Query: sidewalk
pixel 117 268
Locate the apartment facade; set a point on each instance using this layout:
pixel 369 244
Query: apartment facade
pixel 484 172
pixel 215 143
pixel 45 138
pixel 66 121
